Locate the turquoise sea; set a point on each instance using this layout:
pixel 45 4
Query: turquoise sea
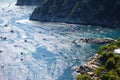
pixel 31 50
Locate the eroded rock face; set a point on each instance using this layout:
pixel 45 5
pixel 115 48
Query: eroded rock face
pixel 29 2
pixel 96 12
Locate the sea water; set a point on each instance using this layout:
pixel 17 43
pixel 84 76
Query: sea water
pixel 43 51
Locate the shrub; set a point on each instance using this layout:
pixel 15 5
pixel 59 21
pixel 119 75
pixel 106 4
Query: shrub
pixel 109 77
pixel 104 77
pixel 100 70
pixel 102 49
pixel 118 39
pixel 105 56
pixel 117 58
pixel 117 65
pixel 110 64
pixel 118 71
pixel 84 77
pixel 111 48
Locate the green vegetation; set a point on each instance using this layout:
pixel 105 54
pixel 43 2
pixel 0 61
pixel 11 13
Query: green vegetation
pixel 84 77
pixel 110 69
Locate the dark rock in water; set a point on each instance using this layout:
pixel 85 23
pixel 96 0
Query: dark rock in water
pixel 2 66
pixel 6 25
pixel 15 45
pixel 94 41
pixel 94 12
pixel 25 41
pixel 4 38
pixel 1 37
pixel 21 59
pixel 21 53
pixel 44 55
pixel 40 32
pixel 29 2
pixel 12 31
pixel 1 51
pixel 44 39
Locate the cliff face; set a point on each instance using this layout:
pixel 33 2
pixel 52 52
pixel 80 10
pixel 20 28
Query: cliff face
pixel 57 11
pixel 29 2
pixel 96 12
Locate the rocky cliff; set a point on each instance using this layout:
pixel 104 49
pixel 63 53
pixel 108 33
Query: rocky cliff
pixel 95 12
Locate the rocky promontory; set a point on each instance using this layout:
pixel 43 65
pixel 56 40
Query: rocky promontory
pixel 90 12
pixel 93 40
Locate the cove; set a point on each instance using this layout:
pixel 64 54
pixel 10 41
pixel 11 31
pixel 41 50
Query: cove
pixel 48 49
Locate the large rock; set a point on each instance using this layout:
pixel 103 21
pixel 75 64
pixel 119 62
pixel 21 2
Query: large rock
pixel 95 12
pixel 93 41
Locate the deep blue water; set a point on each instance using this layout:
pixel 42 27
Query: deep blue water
pixel 48 51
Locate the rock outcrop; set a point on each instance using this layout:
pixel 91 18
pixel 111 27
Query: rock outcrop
pixel 89 67
pixel 96 12
pixel 94 40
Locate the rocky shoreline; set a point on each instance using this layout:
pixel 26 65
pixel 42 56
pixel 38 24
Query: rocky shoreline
pixel 89 67
pixel 105 65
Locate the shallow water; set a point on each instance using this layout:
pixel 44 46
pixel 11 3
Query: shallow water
pixel 43 51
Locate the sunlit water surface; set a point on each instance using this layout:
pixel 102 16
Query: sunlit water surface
pixel 32 50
